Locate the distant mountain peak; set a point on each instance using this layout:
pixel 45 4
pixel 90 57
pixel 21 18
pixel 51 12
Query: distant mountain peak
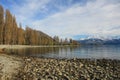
pixel 113 40
pixel 101 37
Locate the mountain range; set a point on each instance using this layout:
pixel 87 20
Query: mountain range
pixel 96 41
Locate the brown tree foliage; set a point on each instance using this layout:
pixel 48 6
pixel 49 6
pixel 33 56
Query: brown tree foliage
pixel 1 24
pixel 8 27
pixel 11 34
pixel 20 36
pixel 14 32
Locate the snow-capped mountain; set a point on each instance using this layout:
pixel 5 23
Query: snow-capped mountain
pixel 96 41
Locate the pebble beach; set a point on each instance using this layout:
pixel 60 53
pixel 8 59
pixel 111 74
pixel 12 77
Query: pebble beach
pixel 13 67
pixel 68 69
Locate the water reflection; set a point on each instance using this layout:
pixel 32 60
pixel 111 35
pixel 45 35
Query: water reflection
pixel 103 51
pixel 35 51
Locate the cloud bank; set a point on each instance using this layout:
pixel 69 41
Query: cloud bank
pixel 67 18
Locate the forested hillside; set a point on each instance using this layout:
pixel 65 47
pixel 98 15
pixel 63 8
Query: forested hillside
pixel 13 34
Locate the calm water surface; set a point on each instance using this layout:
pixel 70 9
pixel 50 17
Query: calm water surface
pixel 103 51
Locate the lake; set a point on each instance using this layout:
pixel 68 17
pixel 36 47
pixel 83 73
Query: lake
pixel 97 52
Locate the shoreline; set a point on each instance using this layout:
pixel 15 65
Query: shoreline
pixel 32 46
pixel 9 66
pixel 32 68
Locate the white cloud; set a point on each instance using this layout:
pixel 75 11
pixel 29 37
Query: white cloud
pixel 28 9
pixel 95 18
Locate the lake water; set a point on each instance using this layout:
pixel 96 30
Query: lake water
pixel 102 51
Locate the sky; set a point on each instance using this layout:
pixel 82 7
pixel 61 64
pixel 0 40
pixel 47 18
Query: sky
pixel 77 19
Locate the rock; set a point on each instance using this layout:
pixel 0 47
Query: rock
pixel 71 69
pixel 81 65
pixel 28 60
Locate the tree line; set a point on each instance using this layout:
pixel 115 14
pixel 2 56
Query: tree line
pixel 13 34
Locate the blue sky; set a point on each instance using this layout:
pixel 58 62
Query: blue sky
pixel 68 18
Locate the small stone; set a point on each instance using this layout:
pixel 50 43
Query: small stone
pixel 28 59
pixel 60 73
pixel 81 65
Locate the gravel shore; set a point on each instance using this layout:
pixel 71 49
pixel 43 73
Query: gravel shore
pixel 69 69
pixel 29 46
pixel 30 68
pixel 9 66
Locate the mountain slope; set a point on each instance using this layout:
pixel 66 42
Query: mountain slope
pixel 95 41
